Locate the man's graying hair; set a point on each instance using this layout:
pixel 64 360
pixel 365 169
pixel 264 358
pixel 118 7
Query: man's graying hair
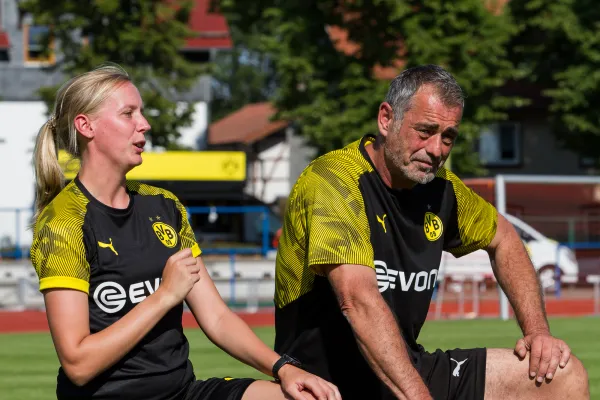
pixel 405 85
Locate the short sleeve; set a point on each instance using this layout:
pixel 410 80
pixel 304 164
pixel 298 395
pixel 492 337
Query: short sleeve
pixel 337 226
pixel 474 220
pixel 58 255
pixel 186 234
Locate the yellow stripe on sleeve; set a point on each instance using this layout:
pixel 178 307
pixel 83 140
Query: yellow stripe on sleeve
pixel 196 251
pixel 64 282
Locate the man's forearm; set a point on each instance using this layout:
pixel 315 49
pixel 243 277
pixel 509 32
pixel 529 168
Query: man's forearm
pixel 382 345
pixel 518 279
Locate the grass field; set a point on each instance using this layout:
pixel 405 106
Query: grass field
pixel 28 362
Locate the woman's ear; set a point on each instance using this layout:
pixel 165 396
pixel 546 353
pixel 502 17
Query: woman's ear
pixel 83 124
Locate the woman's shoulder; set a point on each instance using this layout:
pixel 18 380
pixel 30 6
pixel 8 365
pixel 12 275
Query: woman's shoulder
pixel 144 189
pixel 67 209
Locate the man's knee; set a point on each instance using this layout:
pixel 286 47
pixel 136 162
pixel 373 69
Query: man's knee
pixel 507 377
pixel 575 378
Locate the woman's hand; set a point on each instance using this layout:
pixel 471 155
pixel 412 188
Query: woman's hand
pixel 297 384
pixel 179 276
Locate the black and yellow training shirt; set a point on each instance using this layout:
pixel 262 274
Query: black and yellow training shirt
pixel 117 257
pixel 341 212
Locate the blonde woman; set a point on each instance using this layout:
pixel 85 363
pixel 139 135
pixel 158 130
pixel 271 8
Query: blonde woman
pixel 116 259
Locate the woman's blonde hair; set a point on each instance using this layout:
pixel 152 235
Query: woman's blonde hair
pixel 83 94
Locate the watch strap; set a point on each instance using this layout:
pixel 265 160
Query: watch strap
pixel 283 360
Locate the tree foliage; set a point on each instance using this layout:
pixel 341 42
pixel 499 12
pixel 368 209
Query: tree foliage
pixel 143 36
pixel 334 94
pixel 558 45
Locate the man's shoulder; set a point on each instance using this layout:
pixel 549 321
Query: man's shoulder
pixel 445 178
pixel 344 163
pixel 447 175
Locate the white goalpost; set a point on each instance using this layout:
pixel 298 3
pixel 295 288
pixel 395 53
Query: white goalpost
pixel 500 192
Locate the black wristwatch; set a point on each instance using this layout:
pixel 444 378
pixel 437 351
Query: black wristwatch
pixel 285 359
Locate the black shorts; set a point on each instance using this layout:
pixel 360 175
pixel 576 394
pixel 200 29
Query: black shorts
pixel 454 374
pixel 218 389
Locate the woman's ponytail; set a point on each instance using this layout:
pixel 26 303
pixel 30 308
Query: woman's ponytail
pixel 49 176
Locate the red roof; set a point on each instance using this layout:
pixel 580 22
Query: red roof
pixel 247 125
pixel 4 44
pixel 211 28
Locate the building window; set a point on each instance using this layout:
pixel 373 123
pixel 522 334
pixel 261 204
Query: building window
pixel 33 40
pixel 500 144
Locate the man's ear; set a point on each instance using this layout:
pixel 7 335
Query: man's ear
pixel 83 124
pixel 385 118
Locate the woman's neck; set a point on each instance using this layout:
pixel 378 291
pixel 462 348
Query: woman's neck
pixel 106 184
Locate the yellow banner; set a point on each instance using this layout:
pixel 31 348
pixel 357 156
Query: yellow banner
pixel 177 166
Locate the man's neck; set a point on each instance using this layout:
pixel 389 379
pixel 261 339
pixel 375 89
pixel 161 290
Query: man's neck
pixel 395 181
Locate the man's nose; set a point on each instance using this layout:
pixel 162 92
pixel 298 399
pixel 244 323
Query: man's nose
pixel 435 146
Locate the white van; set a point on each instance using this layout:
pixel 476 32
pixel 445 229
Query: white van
pixel 544 253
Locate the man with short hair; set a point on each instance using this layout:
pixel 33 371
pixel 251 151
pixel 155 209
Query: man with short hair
pixel 359 254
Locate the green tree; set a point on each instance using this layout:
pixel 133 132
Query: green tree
pixel 559 46
pixel 334 96
pixel 143 36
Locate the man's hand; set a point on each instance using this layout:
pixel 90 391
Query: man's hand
pixel 546 354
pixel 298 384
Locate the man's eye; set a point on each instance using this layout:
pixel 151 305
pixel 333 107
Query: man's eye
pixel 448 139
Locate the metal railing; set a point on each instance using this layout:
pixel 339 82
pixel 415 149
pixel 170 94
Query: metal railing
pixel 246 293
pixel 15 249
